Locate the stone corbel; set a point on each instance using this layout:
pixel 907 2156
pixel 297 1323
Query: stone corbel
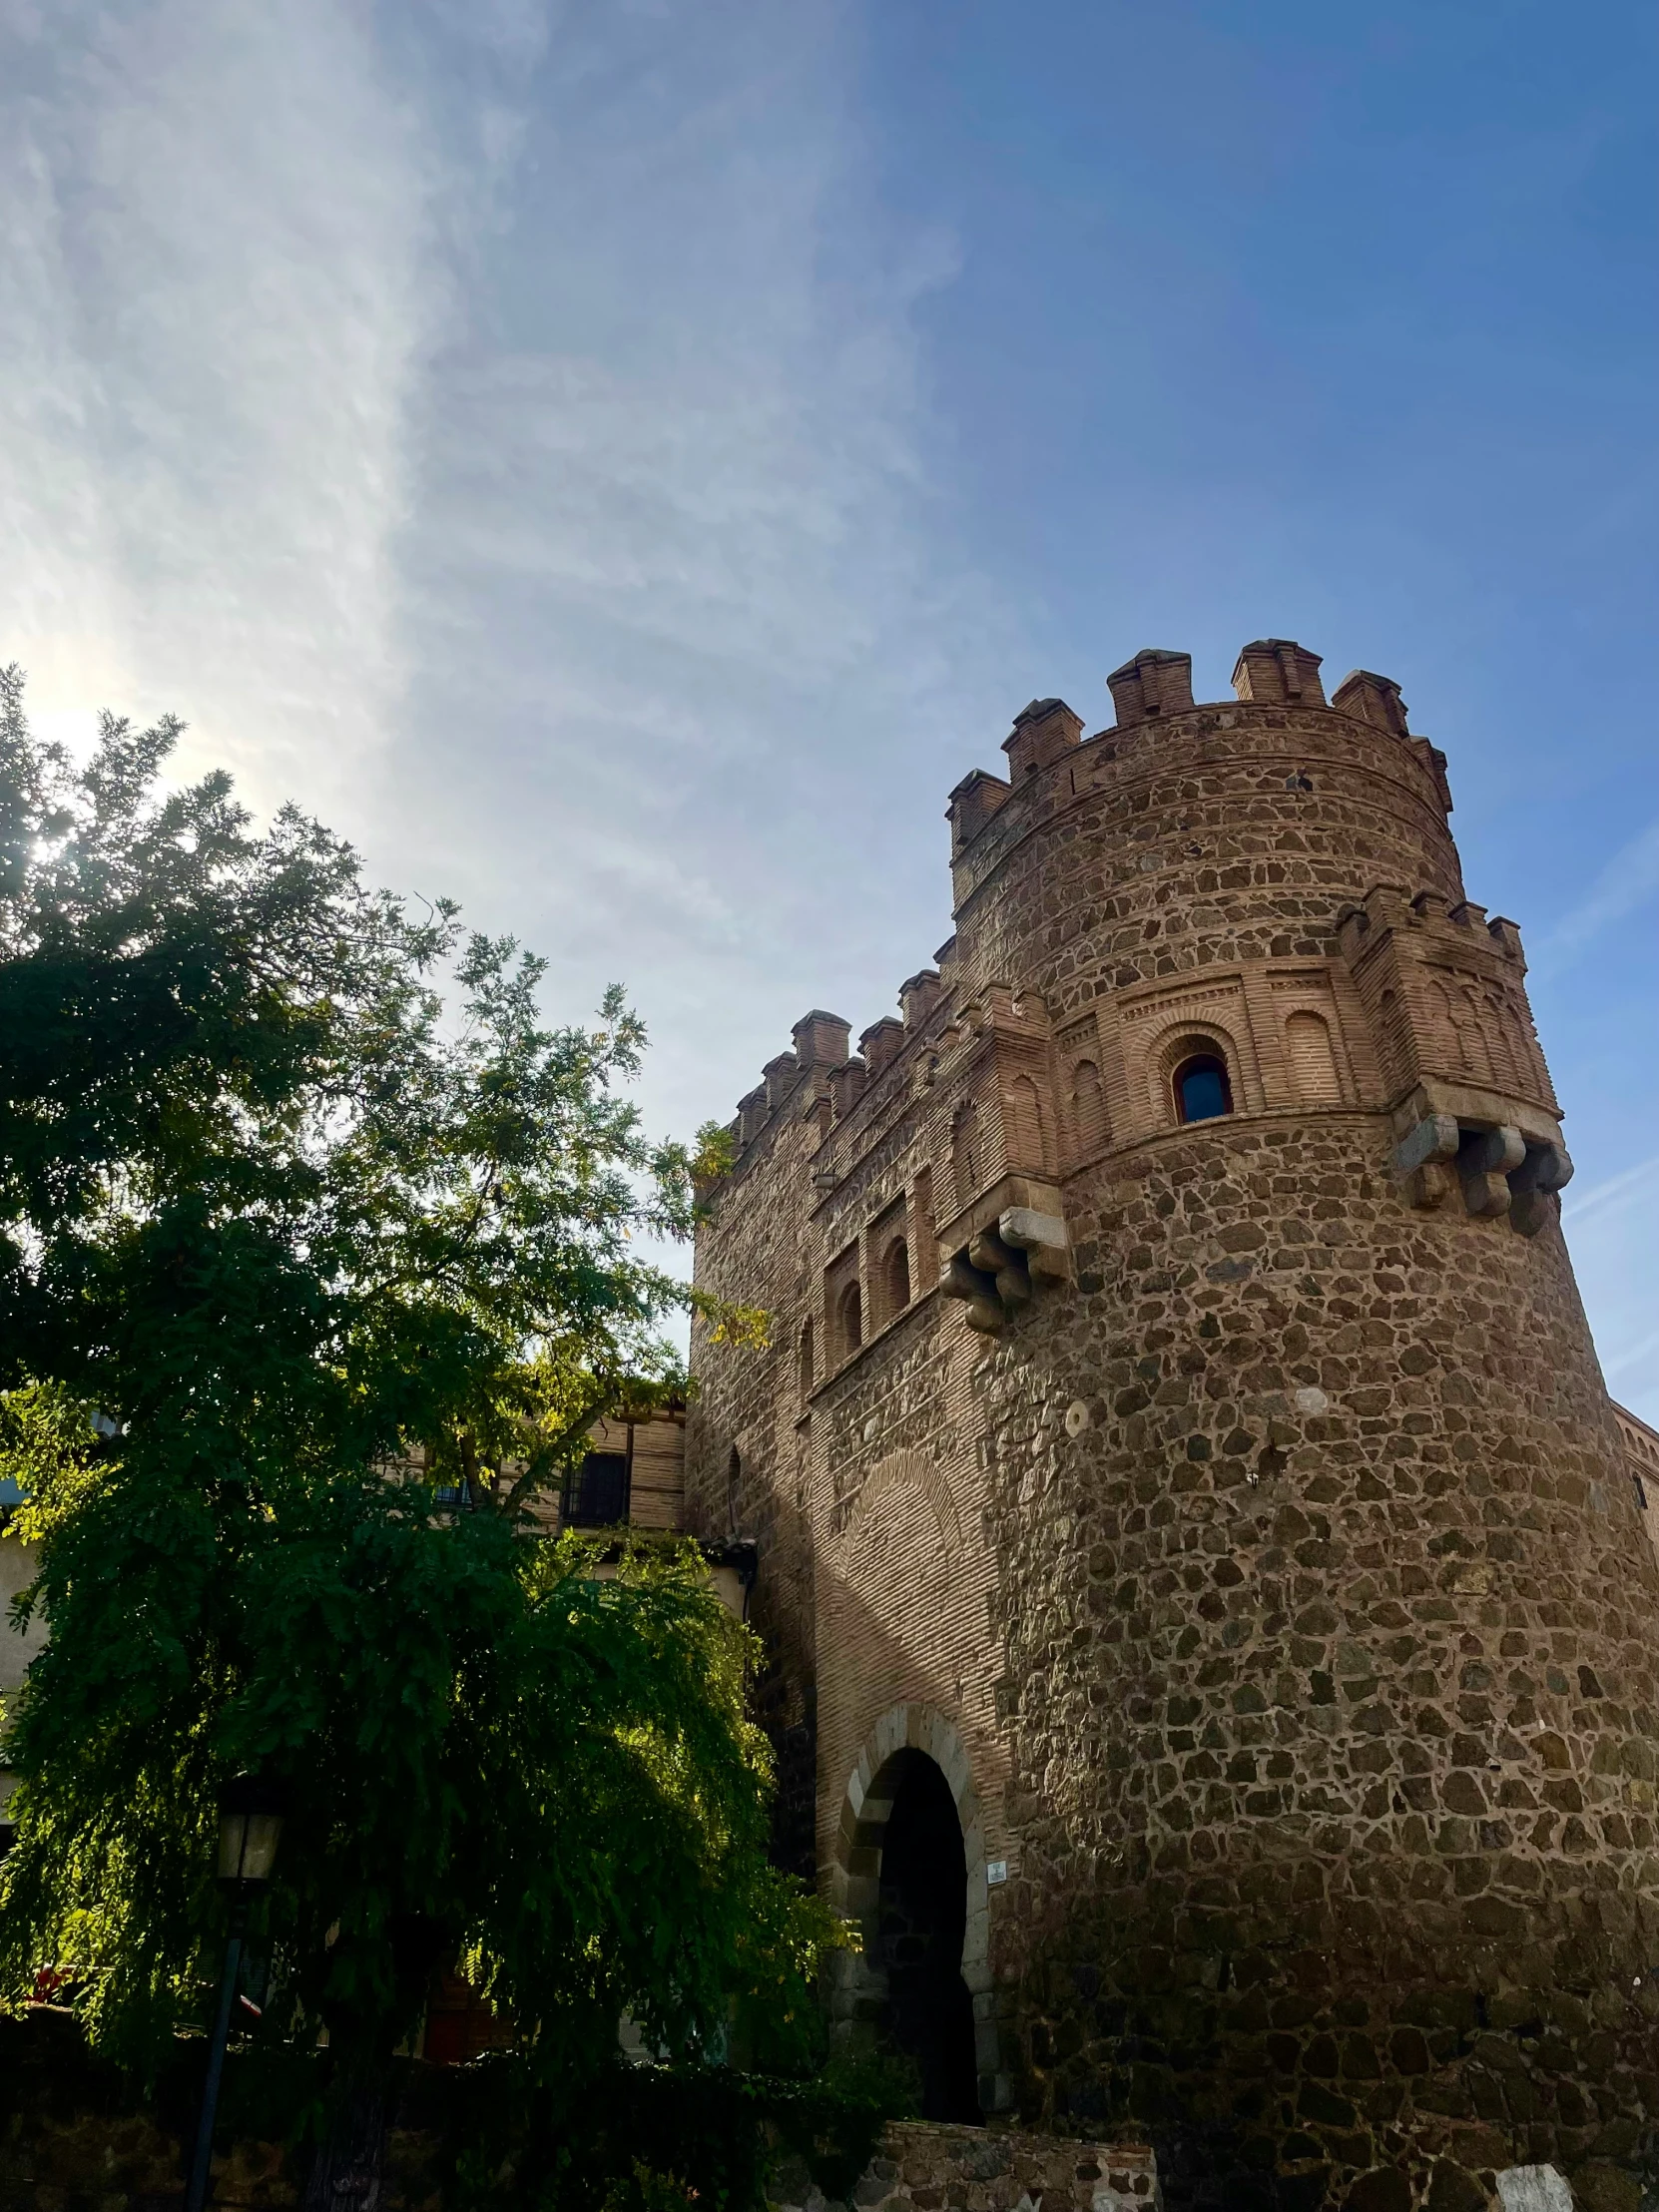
pixel 977 1289
pixel 1546 1170
pixel 1042 1238
pixel 1423 1159
pixel 1002 1267
pixel 1501 1169
pixel 1486 1163
pixel 1005 1266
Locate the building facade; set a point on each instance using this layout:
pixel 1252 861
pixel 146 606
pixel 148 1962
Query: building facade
pixel 1211 1620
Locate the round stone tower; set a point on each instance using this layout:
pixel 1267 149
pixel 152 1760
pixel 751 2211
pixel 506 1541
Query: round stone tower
pixel 1332 1628
pixel 1316 1619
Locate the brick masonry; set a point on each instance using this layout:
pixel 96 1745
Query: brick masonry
pixel 1233 1509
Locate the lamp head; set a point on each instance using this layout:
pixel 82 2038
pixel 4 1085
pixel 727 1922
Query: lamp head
pixel 250 1810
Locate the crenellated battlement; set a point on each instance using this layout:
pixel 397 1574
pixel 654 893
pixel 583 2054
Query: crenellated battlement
pixel 1278 705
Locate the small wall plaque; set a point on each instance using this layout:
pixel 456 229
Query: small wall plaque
pixel 996 1870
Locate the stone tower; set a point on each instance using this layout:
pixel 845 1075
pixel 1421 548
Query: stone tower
pixel 1211 1630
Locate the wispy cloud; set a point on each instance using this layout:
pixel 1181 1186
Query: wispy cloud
pixel 1634 1356
pixel 501 427
pixel 1627 883
pixel 1640 1180
pixel 219 294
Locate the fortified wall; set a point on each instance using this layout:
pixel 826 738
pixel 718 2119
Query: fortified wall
pixel 1211 1624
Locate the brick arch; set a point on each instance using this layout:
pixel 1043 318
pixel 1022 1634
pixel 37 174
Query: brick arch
pixel 916 1470
pixel 855 1873
pixel 1179 1039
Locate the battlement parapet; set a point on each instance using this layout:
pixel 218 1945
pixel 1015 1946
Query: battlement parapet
pixel 972 803
pixel 821 1040
pixel 882 1043
pixel 1386 907
pixel 779 1075
pixel 918 994
pixel 820 1066
pixel 1277 671
pixel 1042 732
pixel 752 1114
pixel 1153 683
pixel 1373 699
pixel 1156 687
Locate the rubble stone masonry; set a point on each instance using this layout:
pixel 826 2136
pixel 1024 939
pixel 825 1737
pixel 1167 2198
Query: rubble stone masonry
pixel 1232 1508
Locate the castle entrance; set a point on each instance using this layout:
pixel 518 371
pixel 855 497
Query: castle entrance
pixel 922 1922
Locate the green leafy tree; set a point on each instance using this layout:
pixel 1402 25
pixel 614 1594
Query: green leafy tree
pixel 300 1252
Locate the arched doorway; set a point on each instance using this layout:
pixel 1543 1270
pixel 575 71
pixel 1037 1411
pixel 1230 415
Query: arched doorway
pixel 859 1994
pixel 922 1922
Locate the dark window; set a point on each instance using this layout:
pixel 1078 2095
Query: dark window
pixel 596 1495
pixel 897 1276
pixel 1641 1491
pixel 1201 1090
pixel 806 1359
pixel 850 1314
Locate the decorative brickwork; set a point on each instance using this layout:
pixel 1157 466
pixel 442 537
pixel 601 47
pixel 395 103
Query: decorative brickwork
pixel 1241 1507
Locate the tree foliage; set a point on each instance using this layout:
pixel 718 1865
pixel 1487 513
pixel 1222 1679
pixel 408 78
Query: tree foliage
pixel 310 1226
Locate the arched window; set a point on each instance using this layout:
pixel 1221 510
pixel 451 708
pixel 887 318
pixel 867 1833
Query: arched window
pixel 850 1320
pixel 1088 1108
pixel 1444 1025
pixel 1201 1090
pixel 895 1276
pixel 807 1359
pixel 1313 1061
pixel 1472 1034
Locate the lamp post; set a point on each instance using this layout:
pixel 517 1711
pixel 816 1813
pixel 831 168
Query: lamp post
pixel 250 1828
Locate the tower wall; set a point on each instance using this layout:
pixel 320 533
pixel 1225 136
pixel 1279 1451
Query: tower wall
pixel 1243 1497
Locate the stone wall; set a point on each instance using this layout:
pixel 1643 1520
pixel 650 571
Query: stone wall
pixel 945 2169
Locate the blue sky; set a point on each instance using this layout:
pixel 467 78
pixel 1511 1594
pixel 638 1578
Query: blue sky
pixel 626 462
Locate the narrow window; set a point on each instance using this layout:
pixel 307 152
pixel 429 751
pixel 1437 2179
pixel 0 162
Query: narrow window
pixel 965 1151
pixel 806 1359
pixel 926 1243
pixel 1088 1108
pixel 1024 1123
pixel 895 1276
pixel 850 1315
pixel 1389 1038
pixel 1641 1491
pixel 1201 1090
pixel 734 1484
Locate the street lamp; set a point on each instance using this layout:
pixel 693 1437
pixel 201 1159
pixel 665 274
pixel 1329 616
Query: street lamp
pixel 250 1828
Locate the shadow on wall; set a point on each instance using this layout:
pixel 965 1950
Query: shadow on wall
pixel 17 1570
pixel 923 1918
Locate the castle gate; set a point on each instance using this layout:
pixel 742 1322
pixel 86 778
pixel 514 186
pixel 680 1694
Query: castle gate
pixel 1181 1391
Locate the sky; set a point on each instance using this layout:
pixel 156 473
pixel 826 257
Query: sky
pixel 623 461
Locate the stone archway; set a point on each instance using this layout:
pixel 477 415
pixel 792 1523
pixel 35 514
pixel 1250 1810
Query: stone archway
pixel 903 1735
